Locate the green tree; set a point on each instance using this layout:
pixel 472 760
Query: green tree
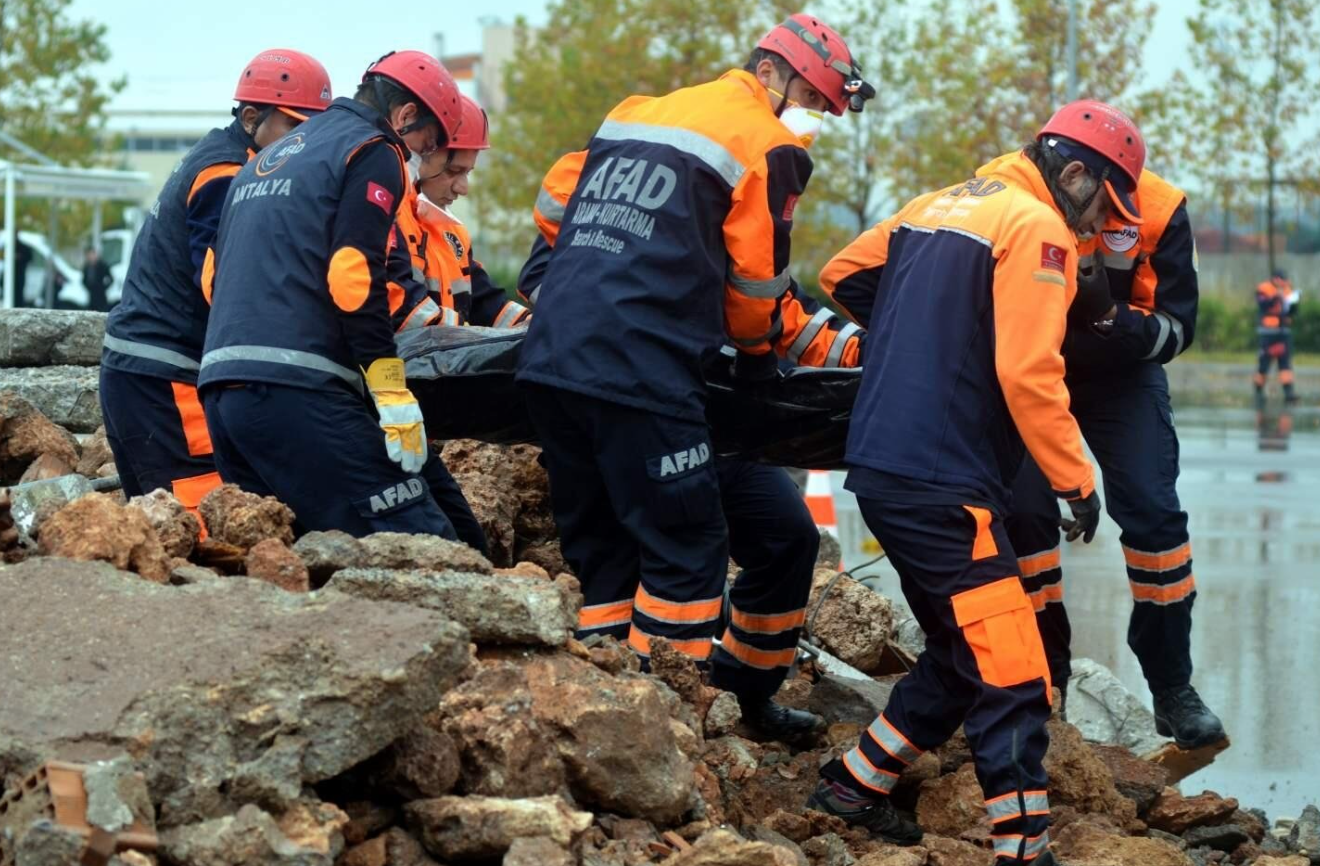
pixel 49 97
pixel 1244 131
pixel 567 77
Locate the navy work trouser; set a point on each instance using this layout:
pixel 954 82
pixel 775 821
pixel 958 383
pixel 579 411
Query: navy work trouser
pixel 323 454
pixel 1276 347
pixel 983 668
pixel 647 517
pixel 1128 424
pixel 158 435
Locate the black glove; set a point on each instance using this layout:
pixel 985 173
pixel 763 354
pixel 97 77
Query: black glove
pixel 1093 301
pixel 1086 518
pixel 755 369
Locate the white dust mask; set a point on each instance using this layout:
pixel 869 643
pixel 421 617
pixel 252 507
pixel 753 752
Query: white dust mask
pixel 806 124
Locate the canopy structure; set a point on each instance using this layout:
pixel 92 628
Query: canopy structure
pixel 52 181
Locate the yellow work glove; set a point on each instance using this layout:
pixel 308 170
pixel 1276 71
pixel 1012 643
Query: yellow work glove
pixel 400 416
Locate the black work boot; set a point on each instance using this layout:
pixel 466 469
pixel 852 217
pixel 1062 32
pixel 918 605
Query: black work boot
pixel 1289 395
pixel 875 814
pixel 778 722
pixel 1180 713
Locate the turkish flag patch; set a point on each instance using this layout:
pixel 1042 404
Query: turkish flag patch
pixel 380 197
pixel 1053 257
pixel 789 207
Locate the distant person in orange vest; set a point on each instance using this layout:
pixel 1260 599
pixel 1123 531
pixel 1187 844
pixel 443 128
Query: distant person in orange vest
pixel 1276 300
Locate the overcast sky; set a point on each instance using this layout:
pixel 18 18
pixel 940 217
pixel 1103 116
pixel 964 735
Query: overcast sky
pixel 188 55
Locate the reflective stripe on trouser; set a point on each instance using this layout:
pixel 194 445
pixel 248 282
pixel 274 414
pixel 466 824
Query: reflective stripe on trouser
pixel 1128 424
pixel 158 434
pixel 1033 530
pixel 646 539
pixel 1276 348
pixel 774 542
pixel 983 666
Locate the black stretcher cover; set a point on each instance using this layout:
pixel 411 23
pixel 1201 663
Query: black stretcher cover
pixel 463 379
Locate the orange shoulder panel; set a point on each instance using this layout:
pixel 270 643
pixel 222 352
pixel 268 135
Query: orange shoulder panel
pixel 555 192
pixel 210 173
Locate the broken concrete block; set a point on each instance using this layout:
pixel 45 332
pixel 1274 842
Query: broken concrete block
pixel 504 749
pixel 423 764
pixel 472 828
pixel 68 396
pixel 1140 781
pixel 96 527
pixel 26 434
pixel 724 848
pixel 509 492
pixel 176 527
pixel 1176 814
pixel 273 562
pixel 852 622
pixel 1224 837
pixel 373 852
pixel 47 844
pixel 249 837
pixel 95 454
pixel 234 516
pixel 1180 763
pixel 1083 844
pixel 399 550
pixel 494 609
pixel 198 683
pixel 1304 837
pixel 1078 778
pixel 952 805
pixel 549 555
pixel 849 700
pixel 45 467
pixel 723 716
pixel 325 553
pixel 1102 708
pixel 40 338
pixel 538 851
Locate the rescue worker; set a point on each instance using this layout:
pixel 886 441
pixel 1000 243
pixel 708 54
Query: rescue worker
pixel 676 223
pixel 966 292
pixel 1276 301
pixel 1144 279
pixel 436 246
pixel 431 275
pixel 304 394
pixel 772 536
pixel 154 335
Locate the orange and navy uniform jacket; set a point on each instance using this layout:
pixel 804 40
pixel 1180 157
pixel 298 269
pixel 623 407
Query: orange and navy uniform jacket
pixel 434 278
pixel 670 235
pixel 300 292
pixel 1276 303
pixel 1152 278
pixel 159 325
pixel 965 292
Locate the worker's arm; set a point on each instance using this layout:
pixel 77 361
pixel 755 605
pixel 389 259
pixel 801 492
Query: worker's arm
pixel 1161 335
pixel 533 271
pixel 814 336
pixel 206 201
pixel 412 303
pixel 756 235
pixel 359 240
pixel 1035 281
pixel 852 278
pixel 490 303
pixel 555 192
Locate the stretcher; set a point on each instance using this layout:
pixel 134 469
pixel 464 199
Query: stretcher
pixel 463 379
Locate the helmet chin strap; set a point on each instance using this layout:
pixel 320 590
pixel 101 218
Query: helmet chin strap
pixel 1073 209
pixel 783 97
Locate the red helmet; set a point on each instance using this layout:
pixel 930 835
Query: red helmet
pixel 424 77
pixel 474 130
pixel 286 79
pixel 820 56
pixel 1108 133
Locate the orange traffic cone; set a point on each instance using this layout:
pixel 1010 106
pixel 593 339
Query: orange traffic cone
pixel 820 502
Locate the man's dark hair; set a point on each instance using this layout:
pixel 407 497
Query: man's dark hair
pixel 376 89
pixel 1051 164
pixel 781 65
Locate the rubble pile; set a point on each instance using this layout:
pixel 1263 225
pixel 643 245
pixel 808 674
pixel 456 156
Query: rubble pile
pixel 250 699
